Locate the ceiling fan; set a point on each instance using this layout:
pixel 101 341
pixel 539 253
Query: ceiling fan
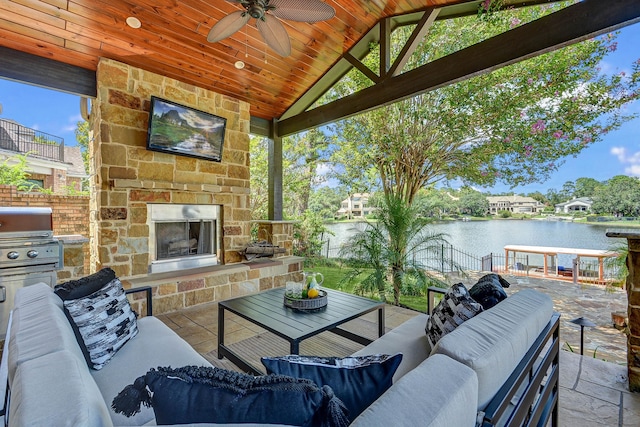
pixel 266 13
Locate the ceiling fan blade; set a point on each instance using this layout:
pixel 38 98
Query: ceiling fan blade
pixel 302 10
pixel 227 26
pixel 274 35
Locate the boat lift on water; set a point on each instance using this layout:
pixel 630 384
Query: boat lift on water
pixel 515 254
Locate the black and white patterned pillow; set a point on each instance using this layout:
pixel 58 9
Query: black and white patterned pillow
pixel 456 307
pixel 104 321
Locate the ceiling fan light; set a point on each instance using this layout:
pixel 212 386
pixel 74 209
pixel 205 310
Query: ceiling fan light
pixel 227 26
pixel 133 22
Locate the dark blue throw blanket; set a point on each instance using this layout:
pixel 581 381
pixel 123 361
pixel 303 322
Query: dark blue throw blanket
pixel 196 394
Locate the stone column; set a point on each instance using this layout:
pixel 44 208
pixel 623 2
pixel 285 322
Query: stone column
pixel 633 311
pixel 75 263
pixel 278 233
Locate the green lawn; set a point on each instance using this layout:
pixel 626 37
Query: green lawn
pixel 333 275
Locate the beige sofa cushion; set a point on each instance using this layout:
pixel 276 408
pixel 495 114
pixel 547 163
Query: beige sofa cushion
pixel 155 345
pixel 56 390
pixel 35 294
pixel 408 338
pixel 493 342
pixel 439 392
pixel 38 327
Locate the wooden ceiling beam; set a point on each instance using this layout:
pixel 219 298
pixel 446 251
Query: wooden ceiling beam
pixel 570 25
pixel 418 34
pixel 385 47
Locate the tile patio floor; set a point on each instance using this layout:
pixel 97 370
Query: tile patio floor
pixel 593 391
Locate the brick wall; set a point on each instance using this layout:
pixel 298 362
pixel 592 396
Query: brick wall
pixel 70 216
pixel 70 213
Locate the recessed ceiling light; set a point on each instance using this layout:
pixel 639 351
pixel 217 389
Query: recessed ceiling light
pixel 134 22
pixel 239 65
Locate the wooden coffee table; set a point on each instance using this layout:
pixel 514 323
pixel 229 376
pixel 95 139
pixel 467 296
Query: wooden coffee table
pixel 267 310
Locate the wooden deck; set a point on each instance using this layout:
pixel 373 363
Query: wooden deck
pixel 513 255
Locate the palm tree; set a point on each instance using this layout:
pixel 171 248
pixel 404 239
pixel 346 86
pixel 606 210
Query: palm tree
pixel 385 251
pixel 619 264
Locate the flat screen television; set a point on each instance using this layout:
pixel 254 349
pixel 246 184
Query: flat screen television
pixel 176 129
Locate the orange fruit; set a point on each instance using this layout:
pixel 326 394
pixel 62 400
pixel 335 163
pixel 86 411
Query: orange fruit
pixel 313 293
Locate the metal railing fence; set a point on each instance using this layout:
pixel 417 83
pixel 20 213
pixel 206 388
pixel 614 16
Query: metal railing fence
pixel 450 259
pixel 21 139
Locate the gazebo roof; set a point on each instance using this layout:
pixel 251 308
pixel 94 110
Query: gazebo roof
pixel 73 35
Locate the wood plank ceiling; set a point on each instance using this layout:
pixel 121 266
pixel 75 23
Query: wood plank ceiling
pixel 172 42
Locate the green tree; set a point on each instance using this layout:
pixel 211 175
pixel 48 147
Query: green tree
pixel 554 197
pixel 302 157
pixel 514 125
pixel 473 202
pixel 536 195
pixel 259 160
pixel 586 187
pixel 307 234
pixel 568 190
pixel 382 252
pixel 619 195
pixel 299 163
pixel 435 203
pixel 82 136
pixel 16 174
pixel 326 201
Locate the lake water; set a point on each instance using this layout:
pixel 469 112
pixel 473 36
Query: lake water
pixel 484 237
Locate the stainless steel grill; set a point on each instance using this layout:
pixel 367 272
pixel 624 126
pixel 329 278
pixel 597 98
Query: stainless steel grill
pixel 29 253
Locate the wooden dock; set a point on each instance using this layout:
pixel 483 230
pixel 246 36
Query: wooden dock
pixel 551 268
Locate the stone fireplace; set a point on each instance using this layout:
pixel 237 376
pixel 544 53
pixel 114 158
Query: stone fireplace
pixel 172 222
pixel 183 236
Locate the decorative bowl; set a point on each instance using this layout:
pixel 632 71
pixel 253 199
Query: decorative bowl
pixel 306 303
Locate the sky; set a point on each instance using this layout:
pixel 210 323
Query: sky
pixel 619 151
pixel 57 113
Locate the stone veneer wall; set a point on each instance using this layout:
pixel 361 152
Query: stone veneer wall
pixel 278 233
pixel 127 176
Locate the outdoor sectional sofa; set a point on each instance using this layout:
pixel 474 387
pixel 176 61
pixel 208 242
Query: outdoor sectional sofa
pixel 499 364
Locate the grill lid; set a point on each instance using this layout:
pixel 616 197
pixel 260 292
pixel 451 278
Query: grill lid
pixel 21 222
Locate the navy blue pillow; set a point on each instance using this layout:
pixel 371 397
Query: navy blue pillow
pixel 198 394
pixel 357 381
pixel 74 289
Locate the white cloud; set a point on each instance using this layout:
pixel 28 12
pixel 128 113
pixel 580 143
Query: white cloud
pixel 72 123
pixel 619 152
pixel 607 68
pixel 324 168
pixel 633 170
pixel 625 157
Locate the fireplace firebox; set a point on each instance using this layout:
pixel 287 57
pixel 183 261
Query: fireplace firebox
pixel 183 236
